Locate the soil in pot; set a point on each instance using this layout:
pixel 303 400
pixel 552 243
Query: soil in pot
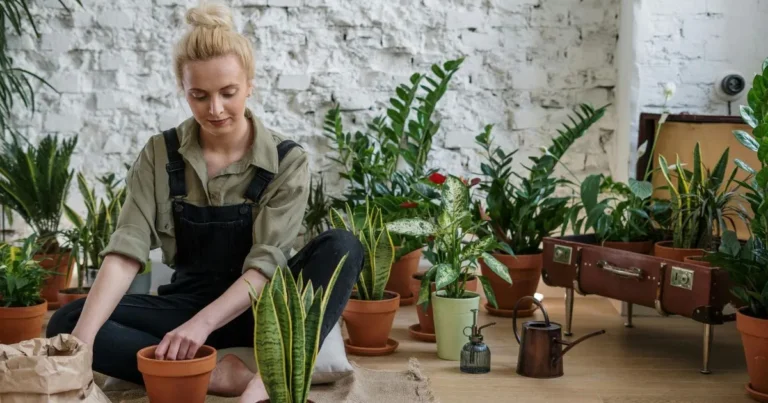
pixel 177 381
pixel 426 316
pixel 664 249
pixel 754 338
pixel 369 322
pixel 72 294
pixel 62 264
pixel 452 316
pixel 400 277
pixel 21 323
pixel 525 271
pixel 642 247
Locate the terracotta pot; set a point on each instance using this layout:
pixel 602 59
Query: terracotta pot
pixel 665 250
pixel 400 277
pixel 60 263
pixel 697 260
pixel 70 294
pixel 642 247
pixel 525 271
pixel 754 337
pixel 23 323
pixel 369 322
pixel 426 317
pixel 177 381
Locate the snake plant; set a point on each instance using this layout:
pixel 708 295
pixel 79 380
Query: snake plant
pixel 288 316
pixel 366 222
pixel 455 258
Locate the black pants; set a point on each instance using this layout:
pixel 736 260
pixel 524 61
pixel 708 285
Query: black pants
pixel 139 321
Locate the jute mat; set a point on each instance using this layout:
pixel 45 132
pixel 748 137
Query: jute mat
pixel 363 386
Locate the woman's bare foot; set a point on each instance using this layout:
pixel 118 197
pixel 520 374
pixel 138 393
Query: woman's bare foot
pixel 255 391
pixel 230 378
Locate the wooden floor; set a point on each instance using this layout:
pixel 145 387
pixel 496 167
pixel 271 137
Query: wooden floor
pixel 657 361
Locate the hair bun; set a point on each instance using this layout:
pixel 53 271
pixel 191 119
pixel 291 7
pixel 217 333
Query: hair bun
pixel 210 15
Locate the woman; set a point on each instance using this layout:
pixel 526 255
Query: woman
pixel 224 198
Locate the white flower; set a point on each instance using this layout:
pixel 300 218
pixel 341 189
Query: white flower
pixel 669 90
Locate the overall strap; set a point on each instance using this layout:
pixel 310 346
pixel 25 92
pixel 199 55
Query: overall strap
pixel 263 177
pixel 175 165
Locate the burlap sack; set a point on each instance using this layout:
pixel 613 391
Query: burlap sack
pixel 54 370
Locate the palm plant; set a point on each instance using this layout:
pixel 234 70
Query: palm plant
pixel 316 213
pixel 700 201
pixel 288 317
pixel 366 222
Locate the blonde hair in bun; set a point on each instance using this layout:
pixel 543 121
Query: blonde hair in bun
pixel 211 34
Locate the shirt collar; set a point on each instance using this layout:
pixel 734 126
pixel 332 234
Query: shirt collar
pixel 262 154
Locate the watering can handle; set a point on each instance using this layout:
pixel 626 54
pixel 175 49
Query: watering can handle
pixel 514 314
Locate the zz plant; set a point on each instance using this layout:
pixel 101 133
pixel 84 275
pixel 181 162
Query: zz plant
pixel 288 316
pixel 21 276
pixel 454 258
pixel 366 222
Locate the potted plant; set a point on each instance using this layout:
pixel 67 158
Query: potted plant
pixel 455 258
pixel 22 308
pixel 522 214
pixel 371 310
pixel 288 317
pixel 34 182
pixel 700 206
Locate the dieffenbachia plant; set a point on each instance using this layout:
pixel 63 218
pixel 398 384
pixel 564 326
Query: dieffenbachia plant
pixel 367 224
pixel 455 258
pixel 288 317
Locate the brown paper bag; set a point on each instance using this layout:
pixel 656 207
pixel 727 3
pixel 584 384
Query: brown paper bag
pixel 53 370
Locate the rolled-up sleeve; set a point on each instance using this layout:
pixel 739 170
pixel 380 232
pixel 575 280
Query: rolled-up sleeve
pixel 135 233
pixel 278 222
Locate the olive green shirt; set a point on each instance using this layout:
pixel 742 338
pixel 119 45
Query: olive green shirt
pixel 146 219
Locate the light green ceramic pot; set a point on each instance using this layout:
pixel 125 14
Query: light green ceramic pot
pixel 452 315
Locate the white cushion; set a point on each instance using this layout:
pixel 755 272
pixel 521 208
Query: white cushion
pixel 331 364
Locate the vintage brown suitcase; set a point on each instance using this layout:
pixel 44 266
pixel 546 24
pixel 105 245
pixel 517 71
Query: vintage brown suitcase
pixel 578 264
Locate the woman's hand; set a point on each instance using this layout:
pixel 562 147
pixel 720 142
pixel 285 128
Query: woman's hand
pixel 183 342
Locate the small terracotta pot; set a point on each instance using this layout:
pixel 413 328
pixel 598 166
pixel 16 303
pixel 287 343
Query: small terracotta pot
pixel 697 260
pixel 60 263
pixel 68 295
pixel 426 317
pixel 642 247
pixel 665 250
pixel 177 381
pixel 754 337
pixel 22 323
pixel 525 271
pixel 400 277
pixel 369 322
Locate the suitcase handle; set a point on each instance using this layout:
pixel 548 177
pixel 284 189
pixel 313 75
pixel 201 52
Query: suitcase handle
pixel 632 272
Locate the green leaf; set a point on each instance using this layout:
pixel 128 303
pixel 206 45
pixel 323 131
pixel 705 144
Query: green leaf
pixel 336 220
pixel 590 189
pixel 383 259
pixel 748 115
pixel 743 165
pixel 497 267
pixel 455 197
pixel 445 276
pixel 488 289
pixel 746 139
pixel 697 171
pixel 269 349
pixel 412 226
pixel 312 329
pixel 730 243
pixel 641 189
pixel 298 348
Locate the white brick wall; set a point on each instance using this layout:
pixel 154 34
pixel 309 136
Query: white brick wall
pixel 527 62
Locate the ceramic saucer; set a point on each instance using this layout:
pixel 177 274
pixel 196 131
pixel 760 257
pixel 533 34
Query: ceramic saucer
pixel 416 333
pixel 371 351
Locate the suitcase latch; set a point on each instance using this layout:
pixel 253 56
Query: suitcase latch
pixel 562 254
pixel 681 278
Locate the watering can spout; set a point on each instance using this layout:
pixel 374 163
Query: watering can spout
pixel 570 344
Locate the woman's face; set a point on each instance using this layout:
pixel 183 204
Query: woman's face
pixel 216 91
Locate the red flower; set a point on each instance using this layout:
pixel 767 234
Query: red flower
pixel 475 181
pixel 437 178
pixel 408 204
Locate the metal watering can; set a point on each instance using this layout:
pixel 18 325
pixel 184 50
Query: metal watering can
pixel 541 354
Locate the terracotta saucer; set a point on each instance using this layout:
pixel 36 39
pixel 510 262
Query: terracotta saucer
pixel 416 333
pixel 408 301
pixel 371 351
pixel 508 313
pixel 760 397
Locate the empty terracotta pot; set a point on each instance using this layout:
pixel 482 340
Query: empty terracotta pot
pixel 369 322
pixel 177 381
pixel 60 263
pixel 642 247
pixel 400 277
pixel 22 323
pixel 71 294
pixel 665 250
pixel 525 271
pixel 754 337
pixel 426 317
